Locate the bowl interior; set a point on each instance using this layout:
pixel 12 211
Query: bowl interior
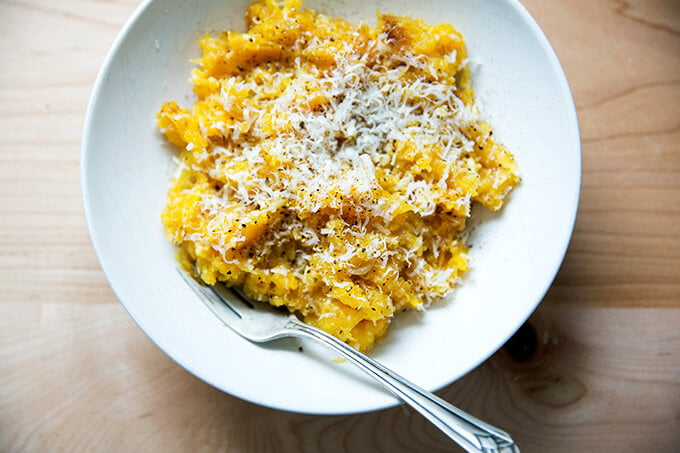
pixel 126 166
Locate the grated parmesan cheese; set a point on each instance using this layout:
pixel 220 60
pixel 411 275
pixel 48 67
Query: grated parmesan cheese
pixel 331 167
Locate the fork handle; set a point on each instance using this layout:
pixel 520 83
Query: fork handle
pixel 472 434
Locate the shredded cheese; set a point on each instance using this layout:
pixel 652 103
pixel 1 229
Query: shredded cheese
pixel 331 167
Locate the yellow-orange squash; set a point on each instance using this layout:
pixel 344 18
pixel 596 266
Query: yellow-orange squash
pixel 330 167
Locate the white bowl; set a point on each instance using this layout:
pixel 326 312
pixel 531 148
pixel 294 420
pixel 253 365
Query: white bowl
pixel 126 166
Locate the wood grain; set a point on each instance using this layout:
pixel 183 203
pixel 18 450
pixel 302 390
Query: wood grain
pixel 664 15
pixel 77 375
pixel 624 69
pixel 580 391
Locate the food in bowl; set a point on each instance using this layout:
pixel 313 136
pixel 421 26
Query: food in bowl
pixel 330 167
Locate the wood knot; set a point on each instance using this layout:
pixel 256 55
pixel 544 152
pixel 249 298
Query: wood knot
pixel 522 345
pixel 531 360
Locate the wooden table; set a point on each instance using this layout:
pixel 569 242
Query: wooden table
pixel 76 374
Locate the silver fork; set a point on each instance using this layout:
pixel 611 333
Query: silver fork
pixel 259 322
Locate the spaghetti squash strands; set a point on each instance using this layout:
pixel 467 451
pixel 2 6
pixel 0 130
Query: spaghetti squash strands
pixel 330 167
